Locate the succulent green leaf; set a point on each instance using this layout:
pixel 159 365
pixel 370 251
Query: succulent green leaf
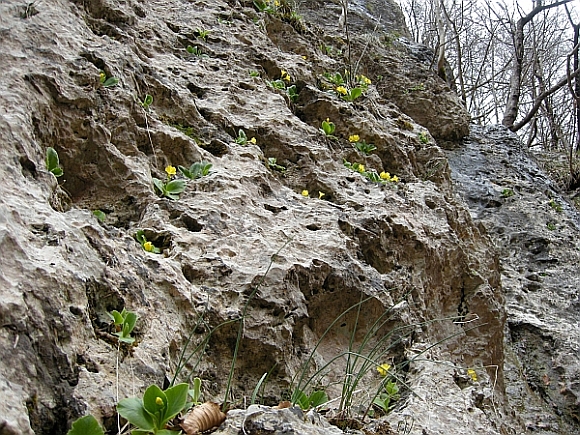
pixel 111 81
pixel 154 409
pixel 159 185
pixel 117 317
pixel 140 236
pixel 130 320
pixel 175 187
pixel 301 399
pixel 124 339
pixel 176 400
pixel 148 100
pixel 355 93
pixel 52 162
pixel 133 411
pixel 100 215
pixel 318 398
pixel 196 391
pixel 58 172
pixel 186 172
pixel 87 425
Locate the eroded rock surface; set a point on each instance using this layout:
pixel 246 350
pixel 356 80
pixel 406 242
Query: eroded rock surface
pixel 537 234
pixel 410 247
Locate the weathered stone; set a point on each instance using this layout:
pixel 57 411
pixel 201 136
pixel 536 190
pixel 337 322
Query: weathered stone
pixel 242 242
pixel 510 195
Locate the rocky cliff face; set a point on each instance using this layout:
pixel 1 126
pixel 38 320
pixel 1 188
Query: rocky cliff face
pixel 245 241
pixel 536 232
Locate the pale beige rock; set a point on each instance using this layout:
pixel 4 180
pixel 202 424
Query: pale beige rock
pixel 411 245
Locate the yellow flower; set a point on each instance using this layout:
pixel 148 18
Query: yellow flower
pixel 471 373
pixel 341 90
pixel 327 119
pixel 170 170
pixel 102 76
pixel 365 80
pixel 304 57
pixel 159 401
pixel 383 369
pixel 395 179
pixel 386 176
pixel 253 140
pixel 320 194
pixel 276 3
pixel 354 138
pixel 148 246
pixel 285 76
pixel 361 168
pixel 305 192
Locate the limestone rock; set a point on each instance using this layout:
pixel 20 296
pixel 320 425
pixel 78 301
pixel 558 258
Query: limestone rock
pixel 241 243
pixel 537 235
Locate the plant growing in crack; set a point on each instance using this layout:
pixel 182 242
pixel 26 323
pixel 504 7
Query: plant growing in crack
pixel 146 103
pixel 169 188
pixel 124 324
pixel 53 163
pixel 283 84
pixel 145 244
pixel 202 33
pixel 196 51
pixel 152 413
pixel 372 175
pixel 242 138
pixel 196 170
pixel 107 82
pixel 327 127
pixel 361 145
pixel 271 164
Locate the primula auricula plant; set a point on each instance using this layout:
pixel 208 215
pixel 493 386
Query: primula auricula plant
pixel 145 244
pixel 283 84
pixel 327 127
pixel 372 175
pixel 361 145
pixel 343 87
pixel 242 138
pixel 124 323
pixel 196 170
pixel 157 407
pixel 107 82
pixel 169 188
pixel 53 163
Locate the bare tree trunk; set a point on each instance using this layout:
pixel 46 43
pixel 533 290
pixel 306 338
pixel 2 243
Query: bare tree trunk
pixel 575 90
pixel 547 109
pixel 441 34
pixel 459 66
pixel 513 101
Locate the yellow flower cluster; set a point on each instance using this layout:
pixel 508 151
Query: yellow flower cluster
pixel 148 246
pixel 383 369
pixel 471 373
pixel 341 90
pixel 285 76
pixel 306 194
pixel 388 177
pixel 253 140
pixel 354 138
pixel 171 171
pixel 365 80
